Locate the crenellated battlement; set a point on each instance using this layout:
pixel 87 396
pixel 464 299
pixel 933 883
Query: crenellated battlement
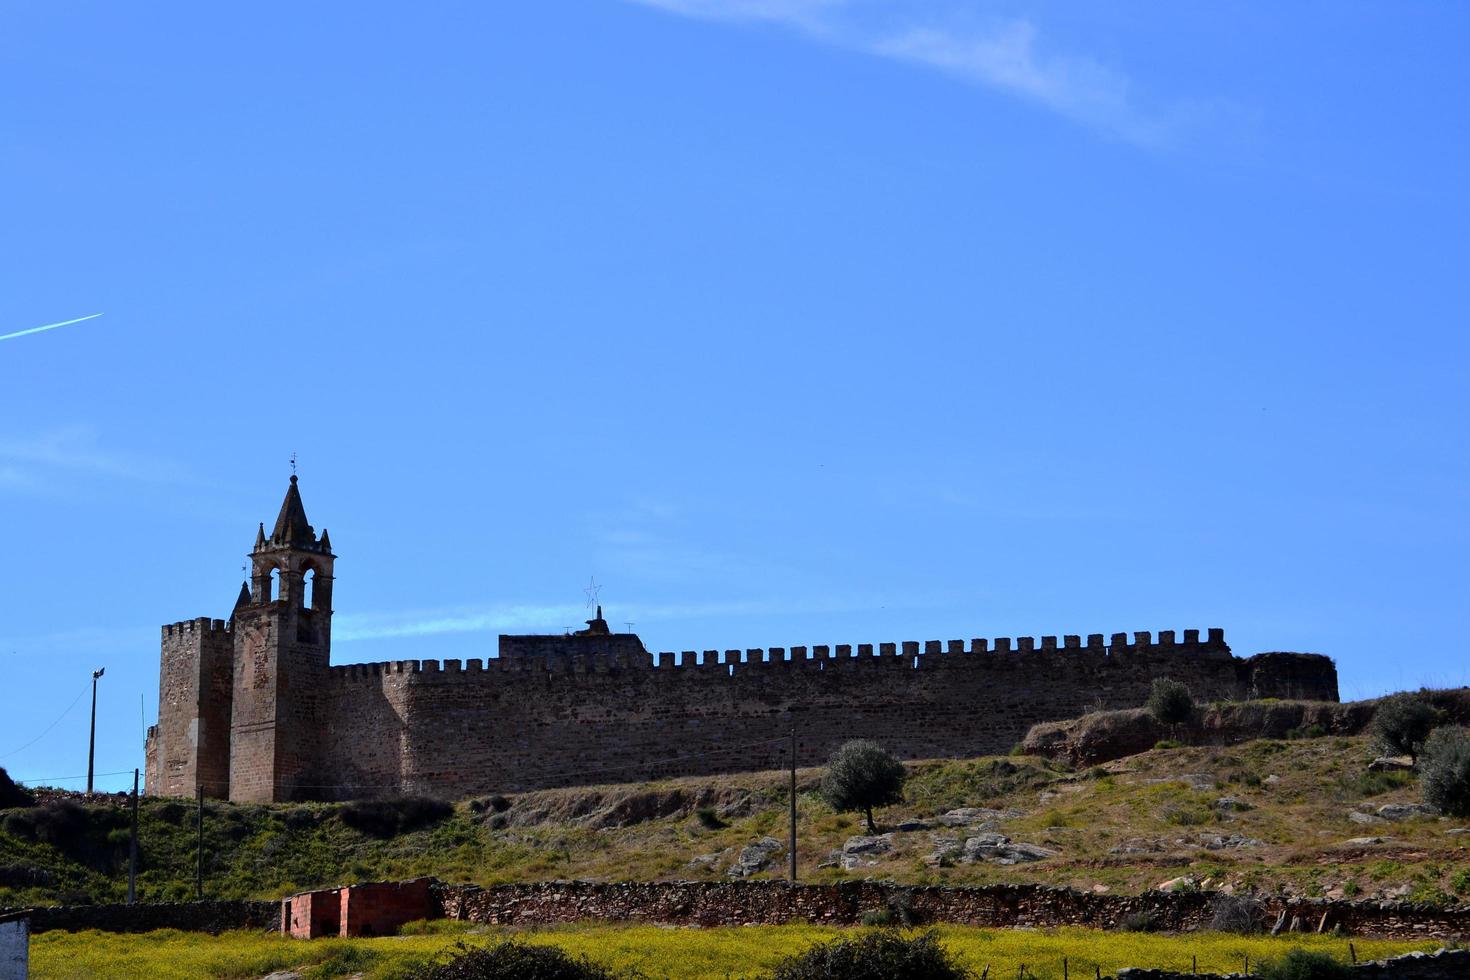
pixel 908 654
pixel 201 625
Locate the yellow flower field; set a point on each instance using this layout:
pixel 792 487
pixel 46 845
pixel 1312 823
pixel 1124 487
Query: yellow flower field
pixel 695 954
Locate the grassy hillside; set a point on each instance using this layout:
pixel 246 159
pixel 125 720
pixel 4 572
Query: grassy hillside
pixel 1125 827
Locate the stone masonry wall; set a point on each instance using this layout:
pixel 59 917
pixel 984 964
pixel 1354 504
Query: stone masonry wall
pixel 699 903
pixel 520 723
pixel 213 917
pixel 1443 964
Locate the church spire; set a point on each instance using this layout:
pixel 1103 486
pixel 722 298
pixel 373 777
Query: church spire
pixel 292 527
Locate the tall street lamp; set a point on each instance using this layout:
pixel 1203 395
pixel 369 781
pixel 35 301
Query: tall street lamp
pixel 92 739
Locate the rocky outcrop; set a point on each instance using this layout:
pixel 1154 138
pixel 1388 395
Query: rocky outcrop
pixel 756 857
pixel 1107 735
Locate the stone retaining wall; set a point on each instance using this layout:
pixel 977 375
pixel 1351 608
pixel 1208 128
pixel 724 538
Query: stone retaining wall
pixel 996 906
pixel 699 903
pixel 1446 964
pixel 212 917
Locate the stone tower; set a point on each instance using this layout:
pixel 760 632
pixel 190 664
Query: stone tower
pixel 282 644
pixel 189 749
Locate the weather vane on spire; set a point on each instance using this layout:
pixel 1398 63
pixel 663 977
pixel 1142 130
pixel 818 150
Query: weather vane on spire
pixel 293 464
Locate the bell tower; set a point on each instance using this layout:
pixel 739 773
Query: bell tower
pixel 283 642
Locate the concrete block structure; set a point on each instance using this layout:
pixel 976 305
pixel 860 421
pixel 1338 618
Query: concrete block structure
pixel 252 709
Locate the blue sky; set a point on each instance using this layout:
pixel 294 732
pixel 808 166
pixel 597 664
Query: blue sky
pixel 791 322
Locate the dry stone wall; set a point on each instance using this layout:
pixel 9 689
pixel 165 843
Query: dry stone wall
pixel 212 917
pixel 699 903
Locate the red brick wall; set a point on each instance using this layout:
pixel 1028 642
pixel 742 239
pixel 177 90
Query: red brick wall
pixel 312 914
pixel 379 908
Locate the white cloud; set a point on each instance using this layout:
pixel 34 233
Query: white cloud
pixel 76 449
pixel 1005 55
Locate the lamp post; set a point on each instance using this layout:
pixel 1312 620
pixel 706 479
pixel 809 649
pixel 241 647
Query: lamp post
pixel 92 739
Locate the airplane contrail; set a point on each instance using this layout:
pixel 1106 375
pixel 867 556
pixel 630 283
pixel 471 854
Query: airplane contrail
pixel 49 326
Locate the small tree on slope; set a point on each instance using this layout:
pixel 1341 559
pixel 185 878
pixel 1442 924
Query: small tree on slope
pixel 1170 701
pixel 1444 770
pixel 1402 722
pixel 861 775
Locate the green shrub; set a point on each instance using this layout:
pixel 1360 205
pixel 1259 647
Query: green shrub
pixel 1460 881
pixel 709 819
pixel 884 955
pixel 1401 724
pixel 516 960
pixel 1374 783
pixel 861 775
pixel 1166 743
pixel 495 803
pixel 389 818
pixel 1170 701
pixel 1444 771
pixel 12 794
pixel 1185 816
pixel 1301 964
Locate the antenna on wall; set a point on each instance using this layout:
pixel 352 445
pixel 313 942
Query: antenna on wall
pixel 630 626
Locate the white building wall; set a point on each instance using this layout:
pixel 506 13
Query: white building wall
pixel 15 949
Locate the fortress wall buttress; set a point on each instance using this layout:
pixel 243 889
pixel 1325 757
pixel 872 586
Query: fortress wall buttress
pixel 563 720
pixel 190 745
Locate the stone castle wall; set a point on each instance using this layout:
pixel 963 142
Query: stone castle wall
pixel 251 710
pixel 516 723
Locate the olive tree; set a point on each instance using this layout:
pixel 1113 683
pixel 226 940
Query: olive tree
pixel 861 775
pixel 1444 770
pixel 1402 722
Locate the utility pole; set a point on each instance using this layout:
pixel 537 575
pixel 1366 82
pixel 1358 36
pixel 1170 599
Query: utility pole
pixel 92 739
pixel 792 845
pixel 199 861
pixel 133 847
